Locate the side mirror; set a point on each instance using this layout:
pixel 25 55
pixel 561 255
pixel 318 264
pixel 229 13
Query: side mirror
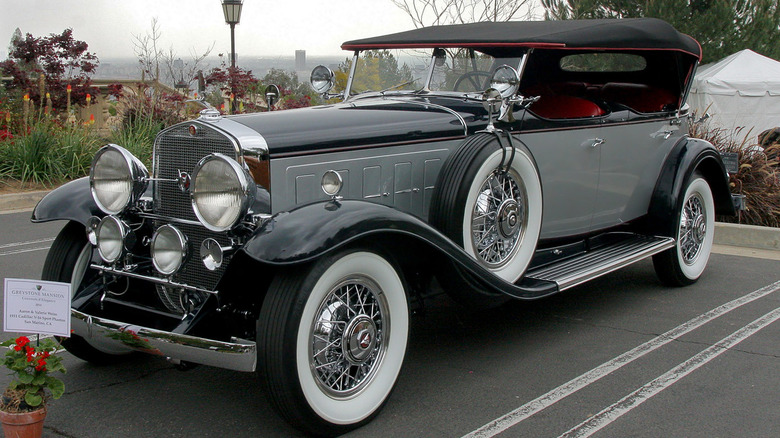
pixel 322 79
pixel 506 80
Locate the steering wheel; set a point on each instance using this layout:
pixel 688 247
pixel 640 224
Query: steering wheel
pixel 475 79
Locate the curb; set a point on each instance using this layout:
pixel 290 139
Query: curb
pixel 17 202
pixel 746 236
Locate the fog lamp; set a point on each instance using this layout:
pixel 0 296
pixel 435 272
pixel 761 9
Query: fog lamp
pixel 111 233
pixel 169 249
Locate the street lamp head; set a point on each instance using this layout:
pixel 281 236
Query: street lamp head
pixel 232 10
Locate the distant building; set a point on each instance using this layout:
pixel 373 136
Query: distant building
pixel 300 60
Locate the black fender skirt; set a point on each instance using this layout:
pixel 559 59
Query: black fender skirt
pixel 689 155
pixel 310 231
pixel 72 201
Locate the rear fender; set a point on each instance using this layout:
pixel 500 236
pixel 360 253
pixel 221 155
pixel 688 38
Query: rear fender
pixel 688 156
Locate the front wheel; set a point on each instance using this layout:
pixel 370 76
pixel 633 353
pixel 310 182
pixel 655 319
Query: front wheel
pixel 332 340
pixel 68 262
pixel 694 227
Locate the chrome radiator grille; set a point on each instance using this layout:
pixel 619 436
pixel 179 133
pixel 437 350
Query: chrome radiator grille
pixel 175 151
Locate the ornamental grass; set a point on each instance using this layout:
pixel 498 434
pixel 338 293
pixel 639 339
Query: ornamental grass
pixel 758 178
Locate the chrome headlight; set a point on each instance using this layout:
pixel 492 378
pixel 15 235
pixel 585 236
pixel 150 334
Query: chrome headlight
pixel 116 178
pixel 222 192
pixel 169 249
pixel 111 233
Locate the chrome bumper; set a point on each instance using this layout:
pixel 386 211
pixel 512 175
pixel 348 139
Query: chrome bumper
pixel 108 335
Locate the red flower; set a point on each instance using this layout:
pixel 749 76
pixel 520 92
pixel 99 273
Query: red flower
pixel 22 341
pixel 41 365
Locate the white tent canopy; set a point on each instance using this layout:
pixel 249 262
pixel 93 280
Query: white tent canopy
pixel 739 91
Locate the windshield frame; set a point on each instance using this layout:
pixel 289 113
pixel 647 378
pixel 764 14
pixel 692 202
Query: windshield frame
pixel 431 71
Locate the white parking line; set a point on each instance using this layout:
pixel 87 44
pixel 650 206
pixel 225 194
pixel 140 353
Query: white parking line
pixel 641 395
pixel 19 251
pixel 546 400
pixel 29 242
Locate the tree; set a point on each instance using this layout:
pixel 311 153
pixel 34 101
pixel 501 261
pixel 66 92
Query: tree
pixel 378 70
pixel 722 27
pixel 437 12
pixel 163 66
pixel 60 59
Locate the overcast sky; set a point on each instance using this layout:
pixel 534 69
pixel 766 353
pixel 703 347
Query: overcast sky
pixel 267 27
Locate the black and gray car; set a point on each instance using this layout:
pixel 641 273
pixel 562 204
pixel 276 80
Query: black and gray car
pixel 501 160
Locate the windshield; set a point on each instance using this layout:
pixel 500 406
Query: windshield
pixel 454 70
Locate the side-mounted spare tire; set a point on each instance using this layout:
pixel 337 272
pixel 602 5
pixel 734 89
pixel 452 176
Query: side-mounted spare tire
pixel 488 200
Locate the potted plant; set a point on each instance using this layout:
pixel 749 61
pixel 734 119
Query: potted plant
pixel 23 404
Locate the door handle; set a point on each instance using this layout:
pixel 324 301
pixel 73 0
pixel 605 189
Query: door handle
pixel 597 142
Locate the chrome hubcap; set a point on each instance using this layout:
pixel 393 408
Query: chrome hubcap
pixel 499 218
pixel 693 229
pixel 349 337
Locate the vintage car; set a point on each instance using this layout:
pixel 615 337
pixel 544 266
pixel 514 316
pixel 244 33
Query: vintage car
pixel 497 160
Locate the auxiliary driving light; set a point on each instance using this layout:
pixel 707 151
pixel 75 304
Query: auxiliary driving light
pixel 169 249
pixel 111 234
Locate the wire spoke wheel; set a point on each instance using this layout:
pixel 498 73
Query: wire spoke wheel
pixel 693 228
pixel 499 218
pixel 695 221
pixel 347 340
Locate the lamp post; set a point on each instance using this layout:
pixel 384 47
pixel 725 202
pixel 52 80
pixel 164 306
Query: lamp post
pixel 232 11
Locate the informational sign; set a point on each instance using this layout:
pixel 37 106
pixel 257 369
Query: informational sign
pixel 730 162
pixel 35 306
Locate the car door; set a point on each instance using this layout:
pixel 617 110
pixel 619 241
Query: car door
pixel 568 166
pixel 631 157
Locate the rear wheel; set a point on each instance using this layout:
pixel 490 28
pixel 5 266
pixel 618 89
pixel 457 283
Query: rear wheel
pixel 332 340
pixel 694 231
pixel 68 262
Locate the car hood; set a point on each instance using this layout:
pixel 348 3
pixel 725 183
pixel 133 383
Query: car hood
pixel 358 123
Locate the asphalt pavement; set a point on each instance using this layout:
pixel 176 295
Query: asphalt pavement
pixel 619 356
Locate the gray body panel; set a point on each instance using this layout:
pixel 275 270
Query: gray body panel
pixel 585 188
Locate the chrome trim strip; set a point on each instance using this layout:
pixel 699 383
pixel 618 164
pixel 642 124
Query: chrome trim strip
pixel 168 219
pixel 163 281
pixel 238 355
pixel 586 267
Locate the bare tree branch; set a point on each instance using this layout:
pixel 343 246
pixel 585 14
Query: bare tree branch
pixel 437 12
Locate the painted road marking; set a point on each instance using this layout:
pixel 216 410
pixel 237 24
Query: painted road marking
pixel 641 395
pixel 23 244
pixel 19 251
pixel 29 242
pixel 546 400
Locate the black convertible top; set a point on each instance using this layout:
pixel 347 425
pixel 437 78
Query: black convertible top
pixel 605 34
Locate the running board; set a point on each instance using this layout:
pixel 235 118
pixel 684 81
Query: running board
pixel 602 259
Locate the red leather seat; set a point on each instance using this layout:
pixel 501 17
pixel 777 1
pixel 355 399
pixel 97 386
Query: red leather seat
pixel 565 107
pixel 640 97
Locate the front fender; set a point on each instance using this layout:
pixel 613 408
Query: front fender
pixel 687 156
pixel 313 230
pixel 72 201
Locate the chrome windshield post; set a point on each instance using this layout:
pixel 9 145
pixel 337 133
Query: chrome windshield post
pixel 351 74
pixel 438 54
pixel 523 63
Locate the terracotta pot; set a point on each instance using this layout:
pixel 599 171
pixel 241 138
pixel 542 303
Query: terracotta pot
pixel 23 424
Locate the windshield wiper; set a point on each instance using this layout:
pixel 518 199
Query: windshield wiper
pixel 403 84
